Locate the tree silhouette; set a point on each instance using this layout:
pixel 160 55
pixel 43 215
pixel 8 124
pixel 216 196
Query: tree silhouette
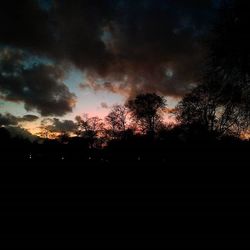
pixel 229 42
pixel 146 110
pixel 203 108
pixel 227 70
pixel 90 128
pixel 117 120
pixel 45 128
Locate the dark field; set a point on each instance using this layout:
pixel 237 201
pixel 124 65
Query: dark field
pixel 168 199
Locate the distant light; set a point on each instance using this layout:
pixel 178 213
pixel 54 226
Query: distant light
pixel 139 158
pixel 89 158
pixel 25 89
pixel 169 73
pixel 62 158
pixel 30 156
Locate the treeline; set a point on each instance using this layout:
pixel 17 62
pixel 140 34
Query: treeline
pixel 175 144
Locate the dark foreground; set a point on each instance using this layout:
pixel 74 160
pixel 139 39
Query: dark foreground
pixel 184 165
pixel 194 197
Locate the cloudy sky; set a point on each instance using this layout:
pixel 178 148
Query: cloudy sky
pixel 64 58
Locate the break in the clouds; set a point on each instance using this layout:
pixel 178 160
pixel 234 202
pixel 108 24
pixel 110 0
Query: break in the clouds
pixel 123 46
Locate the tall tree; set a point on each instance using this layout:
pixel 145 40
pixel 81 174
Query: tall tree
pixel 229 43
pixel 222 102
pixel 146 109
pixel 227 69
pixel 203 108
pixel 117 120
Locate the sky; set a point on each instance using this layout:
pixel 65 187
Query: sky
pixel 62 58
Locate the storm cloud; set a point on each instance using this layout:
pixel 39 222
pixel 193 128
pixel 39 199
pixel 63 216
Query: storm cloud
pixel 7 119
pixel 39 86
pixel 126 47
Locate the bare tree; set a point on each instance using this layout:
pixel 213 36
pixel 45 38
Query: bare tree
pixel 202 107
pixel 117 120
pixel 90 128
pixel 226 73
pixel 45 131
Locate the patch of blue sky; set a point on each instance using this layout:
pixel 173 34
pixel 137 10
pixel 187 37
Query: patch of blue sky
pixel 89 100
pixel 73 78
pixel 14 108
pixel 30 61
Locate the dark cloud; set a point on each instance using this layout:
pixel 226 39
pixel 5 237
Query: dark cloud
pixel 67 31
pixel 8 119
pixel 104 105
pixel 78 30
pixel 55 125
pixel 23 24
pixel 28 118
pixel 21 133
pixel 135 46
pixel 156 46
pixel 39 86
